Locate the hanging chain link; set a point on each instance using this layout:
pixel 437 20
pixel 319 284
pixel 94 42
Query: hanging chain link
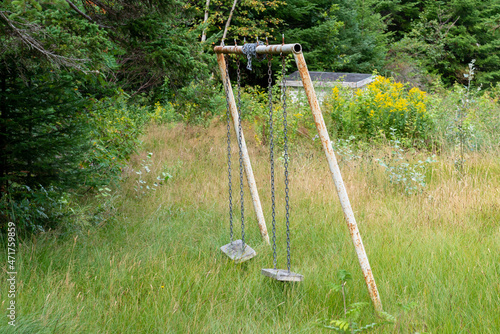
pixel 228 126
pixel 240 140
pixel 271 154
pixel 285 155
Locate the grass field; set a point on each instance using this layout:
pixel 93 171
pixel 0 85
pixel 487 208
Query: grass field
pixel 156 267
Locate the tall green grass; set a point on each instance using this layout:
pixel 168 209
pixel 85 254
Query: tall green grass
pixel 157 268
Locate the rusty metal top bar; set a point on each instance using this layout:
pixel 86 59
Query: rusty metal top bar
pixel 262 49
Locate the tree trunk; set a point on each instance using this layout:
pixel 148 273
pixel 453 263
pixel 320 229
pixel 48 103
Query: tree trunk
pixel 204 34
pixel 228 21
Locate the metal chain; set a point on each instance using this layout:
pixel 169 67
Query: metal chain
pixel 228 126
pixel 271 155
pixel 250 51
pixel 285 154
pixel 240 140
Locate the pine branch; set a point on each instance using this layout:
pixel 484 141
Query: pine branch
pixel 88 18
pixel 32 43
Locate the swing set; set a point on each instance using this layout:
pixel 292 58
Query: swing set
pixel 238 250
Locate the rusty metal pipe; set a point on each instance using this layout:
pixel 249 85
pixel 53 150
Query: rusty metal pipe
pixel 261 49
pixel 337 179
pixel 246 158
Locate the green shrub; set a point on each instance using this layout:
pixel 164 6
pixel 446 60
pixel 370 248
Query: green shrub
pixel 255 107
pixel 145 186
pixel 33 209
pixel 112 134
pixel 409 176
pixel 383 105
pixel 115 128
pixel 199 102
pixel 164 113
pixel 466 114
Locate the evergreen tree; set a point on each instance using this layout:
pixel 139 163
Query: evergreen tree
pixel 399 14
pixel 313 25
pixel 47 55
pixel 446 35
pixel 336 35
pixel 155 42
pixel 362 41
pixel 43 136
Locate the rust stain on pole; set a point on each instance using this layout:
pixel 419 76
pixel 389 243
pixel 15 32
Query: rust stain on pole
pixel 246 158
pixel 337 179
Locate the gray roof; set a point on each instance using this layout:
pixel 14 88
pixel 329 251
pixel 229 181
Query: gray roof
pixel 331 76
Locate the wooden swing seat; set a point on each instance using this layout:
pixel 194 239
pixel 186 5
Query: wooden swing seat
pixel 282 275
pixel 235 252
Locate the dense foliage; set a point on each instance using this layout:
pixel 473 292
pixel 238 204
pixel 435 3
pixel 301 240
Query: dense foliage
pixel 384 107
pixel 441 37
pixel 80 79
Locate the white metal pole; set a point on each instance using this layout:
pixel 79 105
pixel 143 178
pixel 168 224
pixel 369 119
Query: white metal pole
pixel 337 179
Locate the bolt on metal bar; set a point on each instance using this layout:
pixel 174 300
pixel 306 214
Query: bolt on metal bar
pixel 262 49
pixel 246 158
pixel 337 179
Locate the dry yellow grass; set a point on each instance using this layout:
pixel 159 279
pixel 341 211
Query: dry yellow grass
pixel 157 267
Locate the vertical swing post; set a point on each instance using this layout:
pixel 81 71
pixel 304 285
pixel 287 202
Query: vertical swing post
pixel 246 159
pixel 337 179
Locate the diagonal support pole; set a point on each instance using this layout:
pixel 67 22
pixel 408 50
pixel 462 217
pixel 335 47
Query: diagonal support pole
pixel 246 158
pixel 337 179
